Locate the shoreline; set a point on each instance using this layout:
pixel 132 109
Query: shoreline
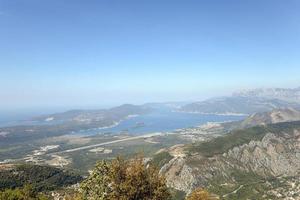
pixel 205 113
pixel 114 124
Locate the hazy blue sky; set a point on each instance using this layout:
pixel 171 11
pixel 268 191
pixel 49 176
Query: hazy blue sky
pixel 105 52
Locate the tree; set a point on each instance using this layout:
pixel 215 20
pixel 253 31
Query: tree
pixel 25 193
pixel 198 194
pixel 125 180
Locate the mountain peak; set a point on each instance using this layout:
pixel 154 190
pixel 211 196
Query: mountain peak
pixel 289 94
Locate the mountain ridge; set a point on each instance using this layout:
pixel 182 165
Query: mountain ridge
pixel 91 115
pixel 247 101
pixel 287 94
pixel 230 161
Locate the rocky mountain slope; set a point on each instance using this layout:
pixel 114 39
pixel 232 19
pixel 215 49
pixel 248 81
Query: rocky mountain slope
pixel 274 116
pixel 256 163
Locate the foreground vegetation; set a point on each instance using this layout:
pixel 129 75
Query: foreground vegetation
pixel 121 179
pixel 41 178
pixel 110 180
pixel 25 193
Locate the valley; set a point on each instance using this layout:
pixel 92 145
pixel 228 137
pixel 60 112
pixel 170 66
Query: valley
pixel 246 156
pixel 55 144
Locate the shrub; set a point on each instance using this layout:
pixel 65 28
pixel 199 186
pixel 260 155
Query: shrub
pixel 198 194
pixel 125 180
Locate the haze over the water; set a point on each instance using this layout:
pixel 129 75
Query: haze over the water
pixel 71 53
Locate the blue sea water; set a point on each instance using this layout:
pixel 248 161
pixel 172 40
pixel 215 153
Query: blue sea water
pixel 162 121
pixel 159 120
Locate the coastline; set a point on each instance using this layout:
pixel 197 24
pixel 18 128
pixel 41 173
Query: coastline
pixel 205 113
pixel 114 124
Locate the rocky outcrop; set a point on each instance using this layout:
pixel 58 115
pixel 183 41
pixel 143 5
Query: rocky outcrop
pixel 180 175
pixel 272 156
pixel 276 154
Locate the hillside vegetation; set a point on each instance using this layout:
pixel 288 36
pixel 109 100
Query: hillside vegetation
pixel 41 178
pixel 239 137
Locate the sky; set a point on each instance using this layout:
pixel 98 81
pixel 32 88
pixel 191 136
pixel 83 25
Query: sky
pixel 93 53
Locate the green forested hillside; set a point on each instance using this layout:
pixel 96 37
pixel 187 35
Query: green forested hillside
pixel 40 177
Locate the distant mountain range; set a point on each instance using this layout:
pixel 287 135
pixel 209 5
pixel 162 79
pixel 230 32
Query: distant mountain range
pixel 247 102
pixel 272 93
pixel 242 102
